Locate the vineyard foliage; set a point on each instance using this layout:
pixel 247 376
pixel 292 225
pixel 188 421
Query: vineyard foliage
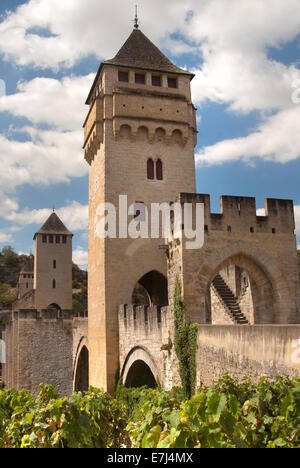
pixel 225 415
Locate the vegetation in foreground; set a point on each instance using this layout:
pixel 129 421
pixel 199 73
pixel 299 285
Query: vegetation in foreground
pixel 225 415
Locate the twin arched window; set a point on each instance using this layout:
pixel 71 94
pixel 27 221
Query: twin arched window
pixel 154 169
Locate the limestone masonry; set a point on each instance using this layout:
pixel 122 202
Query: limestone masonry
pixel 241 287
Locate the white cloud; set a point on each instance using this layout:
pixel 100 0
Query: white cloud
pixel 46 156
pixel 60 104
pixel 74 216
pixel 80 257
pixel 50 157
pixel 4 238
pixel 81 28
pixel 277 139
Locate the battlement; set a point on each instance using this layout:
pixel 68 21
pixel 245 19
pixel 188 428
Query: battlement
pixel 49 314
pixel 142 319
pixel 240 214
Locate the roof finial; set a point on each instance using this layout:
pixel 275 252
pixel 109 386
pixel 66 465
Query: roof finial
pixel 136 21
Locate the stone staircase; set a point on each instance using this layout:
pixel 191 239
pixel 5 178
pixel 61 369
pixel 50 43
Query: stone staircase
pixel 229 300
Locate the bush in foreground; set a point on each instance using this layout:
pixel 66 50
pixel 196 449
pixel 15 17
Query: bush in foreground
pixel 226 414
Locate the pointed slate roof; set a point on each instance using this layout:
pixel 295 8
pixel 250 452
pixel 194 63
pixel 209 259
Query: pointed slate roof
pixel 139 52
pixel 53 225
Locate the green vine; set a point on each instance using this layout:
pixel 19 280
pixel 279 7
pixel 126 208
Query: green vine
pixel 185 341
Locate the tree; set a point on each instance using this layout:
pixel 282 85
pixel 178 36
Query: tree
pixel 10 258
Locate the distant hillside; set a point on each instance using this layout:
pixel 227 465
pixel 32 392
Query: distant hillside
pixel 10 266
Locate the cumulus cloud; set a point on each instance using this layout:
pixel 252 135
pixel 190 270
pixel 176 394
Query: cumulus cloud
pixel 76 29
pixel 74 216
pixel 276 139
pixel 44 156
pixel 4 238
pixel 80 257
pixel 57 103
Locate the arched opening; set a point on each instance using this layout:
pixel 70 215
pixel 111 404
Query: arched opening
pixel 159 170
pixel 140 375
pixel 150 169
pixel 54 307
pixel 140 296
pixel 240 292
pixel 151 289
pixel 177 137
pixel 82 371
pixel 125 131
pixel 142 134
pixel 160 135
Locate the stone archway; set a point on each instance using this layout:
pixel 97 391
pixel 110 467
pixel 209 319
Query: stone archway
pixel 267 274
pixel 151 289
pixel 140 369
pixel 140 375
pixel 240 292
pixel 81 373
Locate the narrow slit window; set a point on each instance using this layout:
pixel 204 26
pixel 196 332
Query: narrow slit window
pixel 159 170
pixel 44 239
pixel 54 264
pixel 64 239
pixel 150 169
pixel 57 239
pixel 54 284
pixel 51 239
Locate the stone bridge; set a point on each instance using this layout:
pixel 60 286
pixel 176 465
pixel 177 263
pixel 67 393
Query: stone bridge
pixel 147 349
pixel 146 346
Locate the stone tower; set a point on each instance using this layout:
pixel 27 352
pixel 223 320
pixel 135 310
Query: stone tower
pixel 26 279
pixel 53 265
pixel 139 139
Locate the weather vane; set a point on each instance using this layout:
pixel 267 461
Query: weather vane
pixel 136 21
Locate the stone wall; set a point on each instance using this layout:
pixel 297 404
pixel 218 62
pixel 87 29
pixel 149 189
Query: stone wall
pixel 262 246
pixel 40 348
pixel 251 351
pixel 146 333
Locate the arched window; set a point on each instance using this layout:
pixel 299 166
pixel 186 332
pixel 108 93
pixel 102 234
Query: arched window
pixel 159 170
pixel 150 169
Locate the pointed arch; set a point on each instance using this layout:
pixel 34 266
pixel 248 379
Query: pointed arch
pixel 150 169
pixel 159 169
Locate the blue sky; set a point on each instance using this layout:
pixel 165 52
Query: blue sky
pixel 245 54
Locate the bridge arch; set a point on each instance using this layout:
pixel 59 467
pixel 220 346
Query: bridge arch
pixel 270 286
pixel 81 367
pixel 140 369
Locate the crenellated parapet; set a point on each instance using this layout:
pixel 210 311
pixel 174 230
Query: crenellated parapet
pixel 142 320
pixel 240 214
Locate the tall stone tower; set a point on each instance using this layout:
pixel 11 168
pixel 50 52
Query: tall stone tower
pixel 53 265
pixel 26 279
pixel 139 139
